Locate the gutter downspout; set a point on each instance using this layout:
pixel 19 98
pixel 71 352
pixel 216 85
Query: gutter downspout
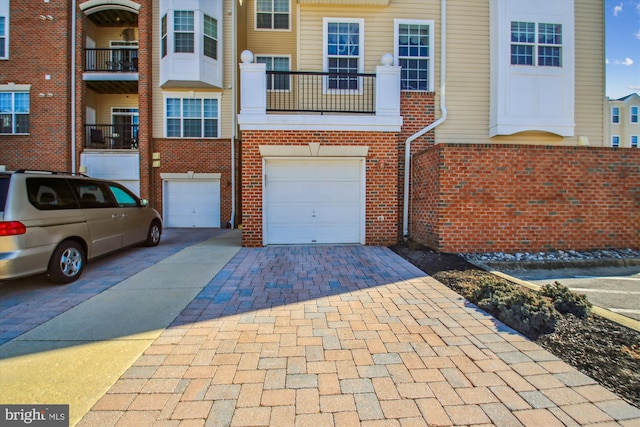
pixel 234 119
pixel 73 86
pixel 443 117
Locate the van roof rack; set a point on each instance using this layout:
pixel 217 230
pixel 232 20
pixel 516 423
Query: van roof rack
pixel 42 171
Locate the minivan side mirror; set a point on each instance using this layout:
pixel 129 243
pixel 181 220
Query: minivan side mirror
pixel 144 203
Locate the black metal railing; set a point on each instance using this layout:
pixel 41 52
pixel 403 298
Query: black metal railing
pixel 111 60
pixel 320 92
pixel 111 137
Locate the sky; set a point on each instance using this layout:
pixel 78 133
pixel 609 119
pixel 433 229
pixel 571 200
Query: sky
pixel 622 23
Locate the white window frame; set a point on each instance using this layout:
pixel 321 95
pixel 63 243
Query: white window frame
pixel 633 141
pixel 4 36
pixel 164 35
pixel 213 37
pixel 536 45
pixel 273 13
pixel 325 54
pixel 430 58
pixel 615 141
pixel 184 96
pixel 633 114
pixel 183 31
pixel 270 68
pixel 615 115
pixel 14 89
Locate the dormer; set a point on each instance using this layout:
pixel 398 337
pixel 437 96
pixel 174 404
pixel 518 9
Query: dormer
pixel 191 43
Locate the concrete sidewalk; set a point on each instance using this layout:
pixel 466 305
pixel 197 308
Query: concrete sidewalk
pixel 345 335
pixel 75 357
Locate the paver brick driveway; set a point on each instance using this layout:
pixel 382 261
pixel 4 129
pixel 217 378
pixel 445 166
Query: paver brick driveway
pixel 345 335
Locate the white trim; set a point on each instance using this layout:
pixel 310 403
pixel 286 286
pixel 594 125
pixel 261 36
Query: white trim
pixel 12 87
pixel 190 176
pixel 431 58
pixel 320 122
pixel 314 149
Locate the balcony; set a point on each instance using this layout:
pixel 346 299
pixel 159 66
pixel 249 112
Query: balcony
pixel 111 70
pixel 111 137
pixel 297 100
pixel 320 92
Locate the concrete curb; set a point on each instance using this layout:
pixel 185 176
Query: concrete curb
pixel 602 312
pixel 552 265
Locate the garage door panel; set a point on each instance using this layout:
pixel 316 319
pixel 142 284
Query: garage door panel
pixel 313 201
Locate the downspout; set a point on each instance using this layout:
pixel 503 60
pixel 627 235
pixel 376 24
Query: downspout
pixel 443 117
pixel 73 86
pixel 234 118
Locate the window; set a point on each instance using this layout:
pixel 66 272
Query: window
pixel 615 141
pixel 275 63
pixel 14 112
pixel 634 114
pixel 183 31
pixel 163 36
pixel 4 51
pixel 536 45
pixel 413 47
pixel 210 37
pixel 343 39
pixel 615 115
pixel 634 141
pixel 192 117
pixel 272 14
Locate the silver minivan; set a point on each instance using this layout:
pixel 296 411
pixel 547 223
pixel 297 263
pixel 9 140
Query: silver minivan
pixel 53 223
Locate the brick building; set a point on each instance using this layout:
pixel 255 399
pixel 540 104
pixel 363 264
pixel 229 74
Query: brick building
pixel 466 125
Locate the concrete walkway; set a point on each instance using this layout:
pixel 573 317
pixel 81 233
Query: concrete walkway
pixel 216 335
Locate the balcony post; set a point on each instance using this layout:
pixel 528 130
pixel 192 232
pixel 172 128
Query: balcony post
pixel 387 87
pixel 253 86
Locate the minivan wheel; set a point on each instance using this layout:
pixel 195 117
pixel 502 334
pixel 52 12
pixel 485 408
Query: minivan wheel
pixel 153 236
pixel 67 262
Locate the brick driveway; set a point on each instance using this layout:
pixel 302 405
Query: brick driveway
pixel 346 335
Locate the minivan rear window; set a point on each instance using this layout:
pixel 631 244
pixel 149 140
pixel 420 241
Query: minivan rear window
pixel 4 190
pixel 51 194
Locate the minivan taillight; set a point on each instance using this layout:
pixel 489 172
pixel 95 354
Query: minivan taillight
pixel 12 228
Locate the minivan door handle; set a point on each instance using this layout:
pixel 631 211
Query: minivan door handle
pixel 114 216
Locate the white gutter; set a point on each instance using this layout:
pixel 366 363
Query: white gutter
pixel 234 119
pixel 443 117
pixel 73 86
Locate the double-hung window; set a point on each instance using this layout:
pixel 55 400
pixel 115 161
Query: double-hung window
pixel 272 14
pixel 192 117
pixel 163 36
pixel 183 31
pixel 615 115
pixel 14 112
pixel 536 44
pixel 210 37
pixel 615 141
pixel 414 55
pixel 4 29
pixel 344 40
pixel 634 114
pixel 276 63
pixel 634 141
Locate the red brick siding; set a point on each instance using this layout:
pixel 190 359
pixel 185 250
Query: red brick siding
pixel 37 48
pixel 199 156
pixel 381 179
pixel 510 198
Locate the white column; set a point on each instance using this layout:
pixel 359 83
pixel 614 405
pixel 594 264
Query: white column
pixel 253 86
pixel 387 87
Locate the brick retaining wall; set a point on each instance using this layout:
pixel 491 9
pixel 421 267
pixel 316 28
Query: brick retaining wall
pixel 511 198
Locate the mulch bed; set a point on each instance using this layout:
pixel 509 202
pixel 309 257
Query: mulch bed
pixel 604 350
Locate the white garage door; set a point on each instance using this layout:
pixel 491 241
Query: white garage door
pixel 192 204
pixel 314 201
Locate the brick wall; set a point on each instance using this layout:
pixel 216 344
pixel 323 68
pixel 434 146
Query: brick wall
pixel 199 156
pixel 38 48
pixel 381 175
pixel 510 198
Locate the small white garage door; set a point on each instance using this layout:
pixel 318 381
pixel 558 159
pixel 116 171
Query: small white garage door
pixel 191 204
pixel 314 201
